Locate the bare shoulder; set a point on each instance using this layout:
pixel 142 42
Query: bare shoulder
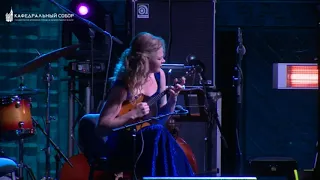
pixel 116 96
pixel 163 87
pixel 162 80
pixel 162 74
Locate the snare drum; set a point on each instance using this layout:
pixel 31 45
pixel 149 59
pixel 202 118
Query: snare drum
pixel 15 118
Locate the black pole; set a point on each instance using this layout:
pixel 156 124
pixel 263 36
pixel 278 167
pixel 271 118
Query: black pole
pixel 57 158
pixel 241 51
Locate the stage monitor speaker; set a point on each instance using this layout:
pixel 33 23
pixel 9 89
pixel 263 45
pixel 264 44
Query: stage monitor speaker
pixel 188 30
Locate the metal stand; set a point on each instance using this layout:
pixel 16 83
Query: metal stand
pixel 72 120
pixel 134 135
pixel 209 125
pixel 71 116
pixel 57 158
pixel 48 78
pixel 239 85
pixel 104 97
pixel 88 99
pixel 208 138
pixel 208 146
pixel 213 119
pixel 21 163
pixel 92 35
pixel 55 147
pixel 214 43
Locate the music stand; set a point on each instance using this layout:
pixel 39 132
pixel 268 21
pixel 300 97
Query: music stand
pixel 201 115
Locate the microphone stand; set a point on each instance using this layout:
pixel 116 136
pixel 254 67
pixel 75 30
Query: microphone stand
pixel 89 23
pixel 91 102
pixel 213 118
pixel 48 78
pixel 241 50
pixel 59 152
pixel 134 131
pixel 104 96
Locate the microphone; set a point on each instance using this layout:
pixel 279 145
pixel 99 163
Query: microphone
pixel 241 50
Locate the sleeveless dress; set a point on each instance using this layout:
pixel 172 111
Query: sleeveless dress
pixel 160 155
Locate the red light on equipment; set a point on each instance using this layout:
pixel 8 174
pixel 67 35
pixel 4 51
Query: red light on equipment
pixel 302 76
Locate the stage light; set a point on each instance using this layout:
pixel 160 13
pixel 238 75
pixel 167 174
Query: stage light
pixel 92 11
pixel 83 9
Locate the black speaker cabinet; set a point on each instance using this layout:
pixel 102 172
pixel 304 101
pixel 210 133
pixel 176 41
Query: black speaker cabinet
pixel 186 25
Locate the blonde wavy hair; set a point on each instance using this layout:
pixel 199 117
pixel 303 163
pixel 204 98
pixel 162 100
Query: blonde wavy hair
pixel 133 66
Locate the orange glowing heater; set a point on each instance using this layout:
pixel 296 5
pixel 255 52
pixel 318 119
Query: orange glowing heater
pixel 295 76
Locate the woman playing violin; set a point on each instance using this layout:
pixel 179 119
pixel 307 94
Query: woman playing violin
pixel 139 72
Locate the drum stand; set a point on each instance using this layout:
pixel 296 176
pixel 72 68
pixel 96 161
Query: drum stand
pixel 21 164
pixel 21 148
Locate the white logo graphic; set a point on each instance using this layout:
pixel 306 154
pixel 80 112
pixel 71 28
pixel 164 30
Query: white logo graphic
pixel 38 16
pixel 9 16
pixel 142 10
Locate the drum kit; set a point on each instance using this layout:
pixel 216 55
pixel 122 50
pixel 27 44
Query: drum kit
pixel 16 121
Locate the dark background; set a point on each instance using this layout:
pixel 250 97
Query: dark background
pixel 275 122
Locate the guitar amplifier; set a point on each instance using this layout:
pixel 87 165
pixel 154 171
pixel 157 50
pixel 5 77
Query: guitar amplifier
pixel 187 26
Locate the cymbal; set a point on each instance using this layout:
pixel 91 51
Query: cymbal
pixel 43 59
pixel 20 91
pixel 85 54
